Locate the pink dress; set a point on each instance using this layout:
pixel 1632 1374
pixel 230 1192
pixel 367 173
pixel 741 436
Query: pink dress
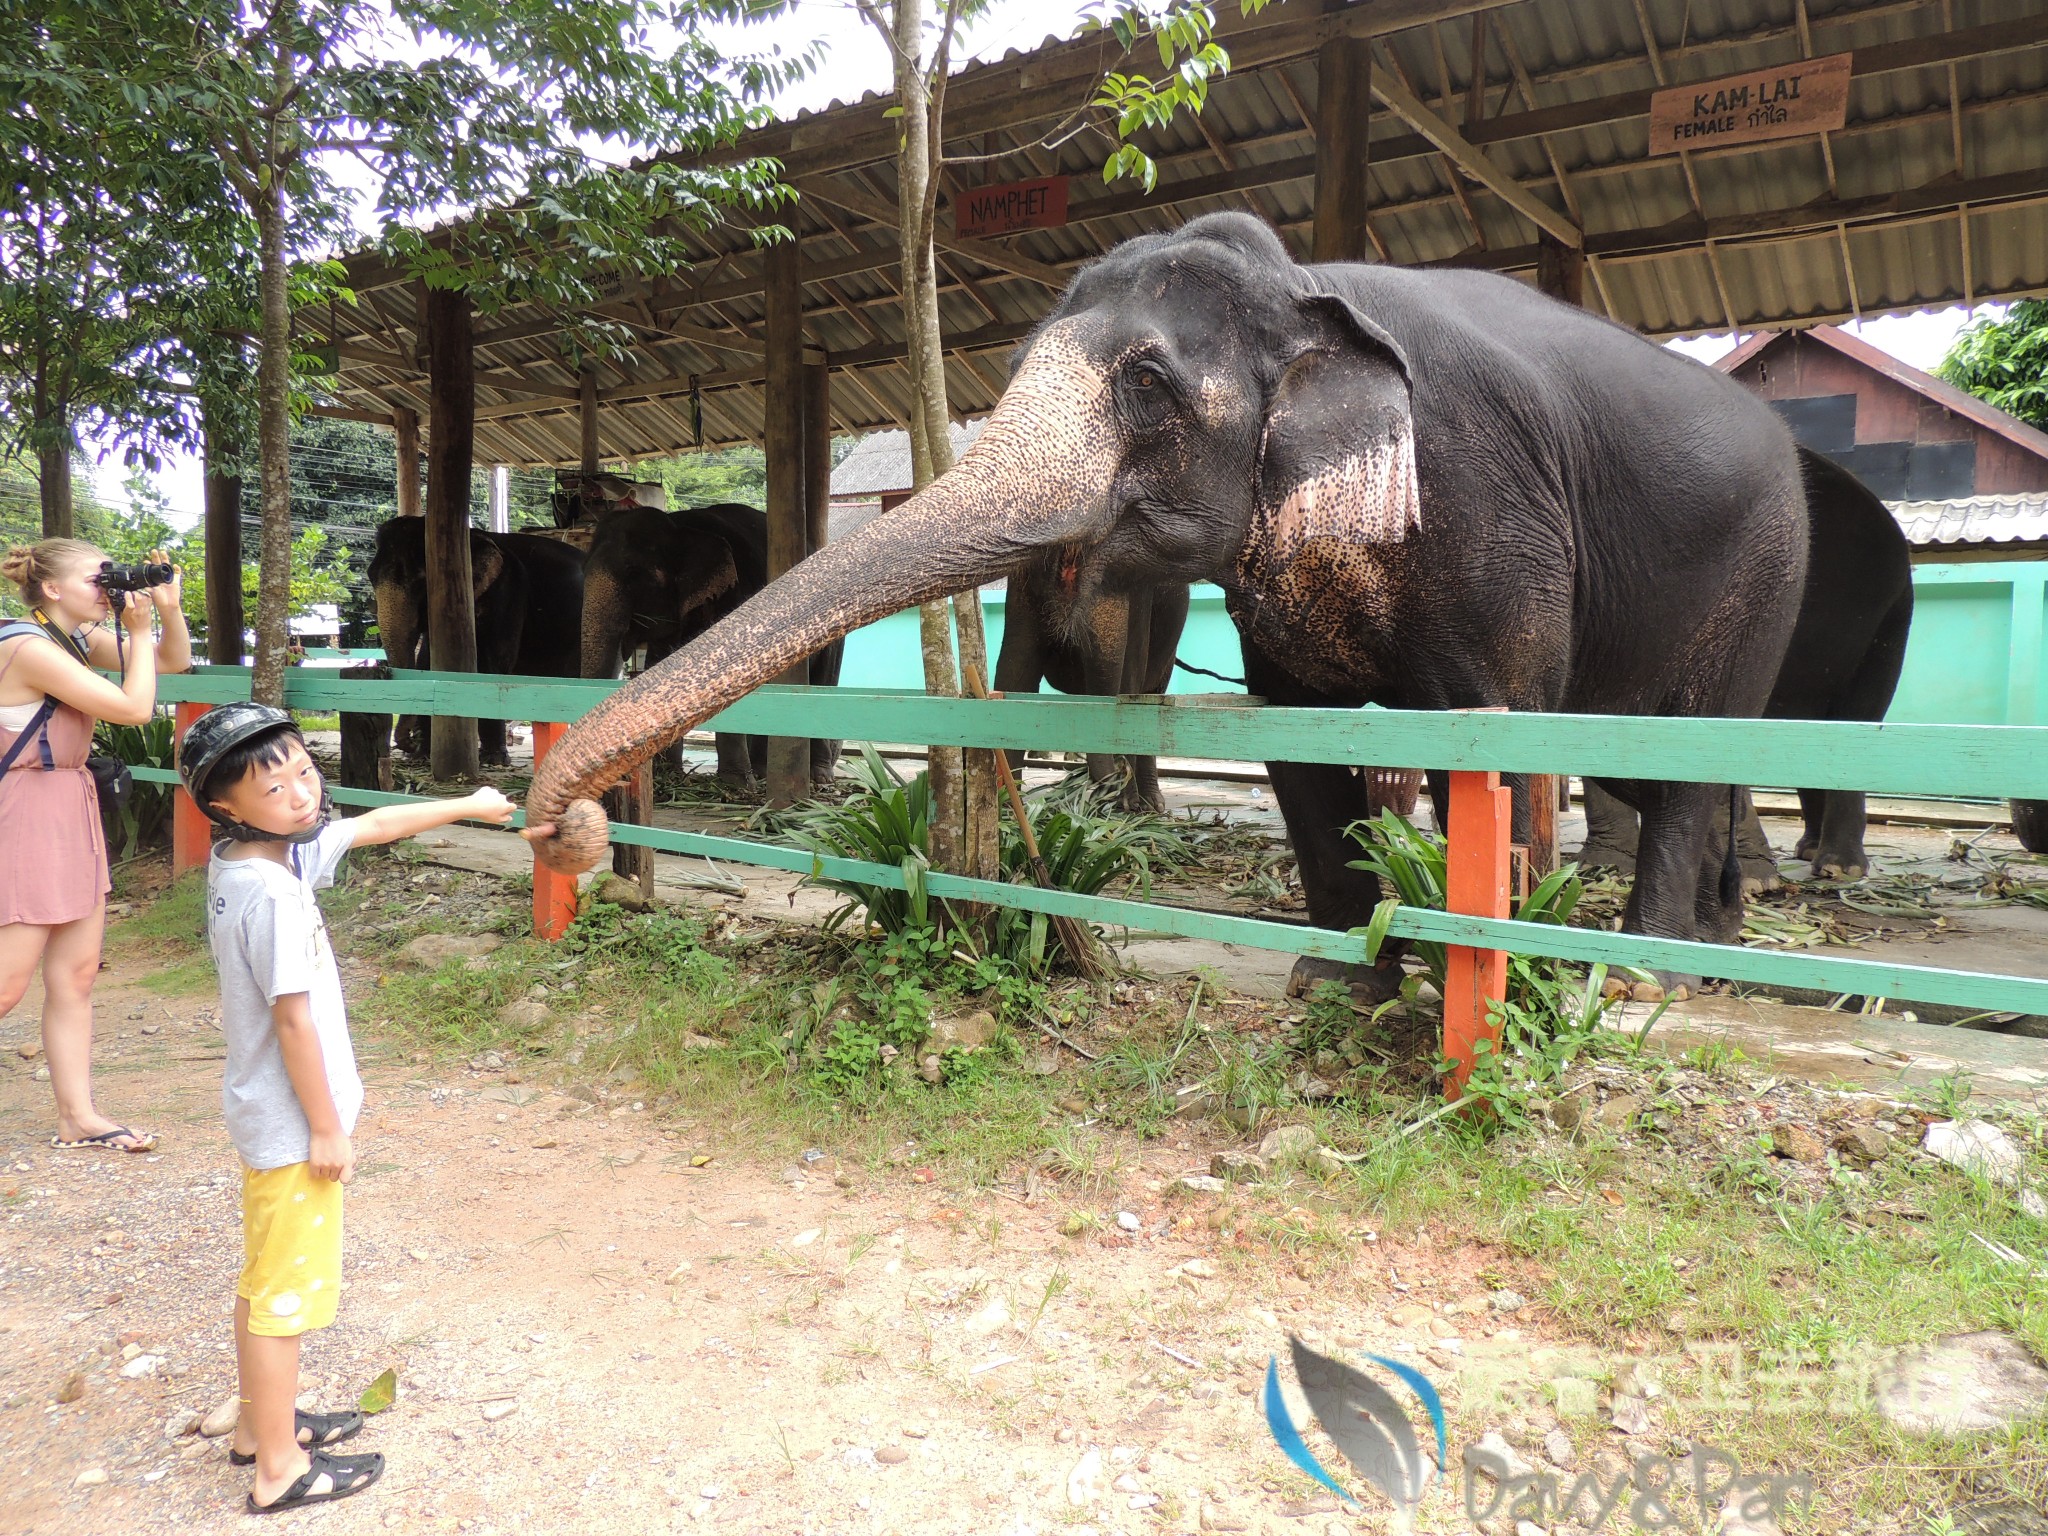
pixel 53 857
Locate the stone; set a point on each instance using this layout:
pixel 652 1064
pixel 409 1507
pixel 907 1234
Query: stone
pixel 1507 1301
pixel 503 1408
pixel 432 950
pixel 1797 1143
pixel 1128 1221
pixel 1197 1269
pixel 625 894
pixel 545 1143
pixel 892 1455
pixel 182 1423
pixel 1863 1144
pixel 222 1420
pixel 1557 1446
pixel 1286 1143
pixel 1213 1517
pixel 1127 1482
pixel 91 1477
pixel 992 1318
pixel 1618 1111
pixel 1202 1183
pixel 42 1074
pixel 931 1068
pixel 72 1388
pixel 29 1050
pixel 1084 1482
pixel 524 1015
pixel 1242 1166
pixel 1975 1146
pixel 1629 1414
pixel 141 1365
pixel 2033 1205
pixel 1569 1112
pixel 1411 1314
pixel 968 1032
pixel 1960 1384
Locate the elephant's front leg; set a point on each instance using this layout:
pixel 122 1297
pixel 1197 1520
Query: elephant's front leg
pixel 736 758
pixel 1104 669
pixel 1838 854
pixel 1318 801
pixel 1753 851
pixel 1610 831
pixel 1020 664
pixel 491 744
pixel 1676 893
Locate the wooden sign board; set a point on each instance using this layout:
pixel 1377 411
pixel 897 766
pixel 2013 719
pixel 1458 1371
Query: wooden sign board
pixel 1791 100
pixel 1014 205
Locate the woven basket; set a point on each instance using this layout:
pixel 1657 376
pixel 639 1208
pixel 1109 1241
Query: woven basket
pixel 1392 789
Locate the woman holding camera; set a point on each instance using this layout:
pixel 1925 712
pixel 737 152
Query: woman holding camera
pixel 53 857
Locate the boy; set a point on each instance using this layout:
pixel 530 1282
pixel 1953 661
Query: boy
pixel 291 1093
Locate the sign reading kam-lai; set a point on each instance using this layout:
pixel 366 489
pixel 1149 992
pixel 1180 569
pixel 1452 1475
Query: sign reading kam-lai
pixel 1014 205
pixel 1811 96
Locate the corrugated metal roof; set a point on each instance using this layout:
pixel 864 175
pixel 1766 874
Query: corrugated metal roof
pixel 1977 520
pixel 1935 191
pixel 881 462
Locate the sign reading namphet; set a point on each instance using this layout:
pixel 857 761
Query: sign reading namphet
pixel 1811 96
pixel 1014 205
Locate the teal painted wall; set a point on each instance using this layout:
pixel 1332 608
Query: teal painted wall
pixel 1974 657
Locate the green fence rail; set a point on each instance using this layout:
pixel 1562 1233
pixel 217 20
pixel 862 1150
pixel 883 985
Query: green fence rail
pixel 1996 761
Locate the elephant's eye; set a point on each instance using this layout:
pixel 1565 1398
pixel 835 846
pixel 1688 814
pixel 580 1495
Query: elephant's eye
pixel 1145 378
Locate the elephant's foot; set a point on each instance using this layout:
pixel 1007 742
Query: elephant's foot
pixel 1674 986
pixel 1599 853
pixel 1133 800
pixel 1759 875
pixel 1368 984
pixel 498 759
pixel 1841 864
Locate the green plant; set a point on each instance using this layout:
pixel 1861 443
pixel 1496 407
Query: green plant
pixel 149 745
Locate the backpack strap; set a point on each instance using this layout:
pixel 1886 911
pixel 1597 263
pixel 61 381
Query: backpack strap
pixel 38 723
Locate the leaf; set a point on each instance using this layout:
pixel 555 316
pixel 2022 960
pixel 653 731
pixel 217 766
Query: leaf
pixel 379 1394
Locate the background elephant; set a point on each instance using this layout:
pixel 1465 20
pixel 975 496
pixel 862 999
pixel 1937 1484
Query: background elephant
pixel 529 608
pixel 660 579
pixel 1842 664
pixel 1423 488
pixel 1122 642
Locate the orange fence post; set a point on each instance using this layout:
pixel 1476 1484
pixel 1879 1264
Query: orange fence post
pixel 191 831
pixel 554 896
pixel 1476 881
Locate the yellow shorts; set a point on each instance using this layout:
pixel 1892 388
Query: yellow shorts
pixel 291 1249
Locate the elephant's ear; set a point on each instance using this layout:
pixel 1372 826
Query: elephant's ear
pixel 486 564
pixel 1337 456
pixel 710 577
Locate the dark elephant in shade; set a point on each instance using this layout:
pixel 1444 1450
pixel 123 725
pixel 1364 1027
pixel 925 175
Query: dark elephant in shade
pixel 660 579
pixel 528 593
pixel 1430 489
pixel 1842 664
pixel 1122 642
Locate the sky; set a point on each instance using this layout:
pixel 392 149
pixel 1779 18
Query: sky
pixel 857 61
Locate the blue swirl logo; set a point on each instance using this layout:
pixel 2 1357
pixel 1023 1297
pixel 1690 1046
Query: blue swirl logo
pixel 1362 1419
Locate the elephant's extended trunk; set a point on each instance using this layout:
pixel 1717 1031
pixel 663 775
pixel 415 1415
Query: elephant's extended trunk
pixel 1034 477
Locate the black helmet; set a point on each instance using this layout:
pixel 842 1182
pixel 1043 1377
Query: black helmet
pixel 211 737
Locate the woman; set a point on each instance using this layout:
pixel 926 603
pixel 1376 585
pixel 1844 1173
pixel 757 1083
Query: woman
pixel 53 858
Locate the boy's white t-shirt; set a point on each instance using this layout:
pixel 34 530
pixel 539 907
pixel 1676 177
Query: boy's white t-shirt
pixel 269 941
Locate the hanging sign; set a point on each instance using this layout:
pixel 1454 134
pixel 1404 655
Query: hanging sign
pixel 1014 205
pixel 1789 101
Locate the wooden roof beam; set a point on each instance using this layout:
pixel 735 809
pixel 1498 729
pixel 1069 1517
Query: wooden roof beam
pixel 987 252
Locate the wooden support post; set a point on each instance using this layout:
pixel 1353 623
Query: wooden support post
pixel 1560 269
pixel 817 455
pixel 224 617
pixel 451 601
pixel 191 828
pixel 631 803
pixel 782 437
pixel 554 895
pixel 405 433
pixel 1476 885
pixel 1343 115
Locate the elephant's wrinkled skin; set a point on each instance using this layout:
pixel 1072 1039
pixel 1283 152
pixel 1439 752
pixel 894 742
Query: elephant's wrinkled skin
pixel 1430 489
pixel 1842 664
pixel 1122 642
pixel 528 594
pixel 660 579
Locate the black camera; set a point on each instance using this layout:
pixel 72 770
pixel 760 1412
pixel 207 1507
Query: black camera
pixel 117 581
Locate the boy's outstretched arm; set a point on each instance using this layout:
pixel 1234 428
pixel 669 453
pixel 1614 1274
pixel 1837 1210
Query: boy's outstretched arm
pixel 332 1157
pixel 389 823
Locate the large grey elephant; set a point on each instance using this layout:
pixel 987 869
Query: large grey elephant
pixel 528 597
pixel 657 580
pixel 1842 664
pixel 1429 489
pixel 1121 642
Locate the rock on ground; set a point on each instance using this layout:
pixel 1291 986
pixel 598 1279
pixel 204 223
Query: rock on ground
pixel 1961 1383
pixel 432 950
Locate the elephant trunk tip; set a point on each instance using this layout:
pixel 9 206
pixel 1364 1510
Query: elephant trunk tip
pixel 581 836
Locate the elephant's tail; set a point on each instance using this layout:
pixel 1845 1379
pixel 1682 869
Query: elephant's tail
pixel 1205 672
pixel 1731 866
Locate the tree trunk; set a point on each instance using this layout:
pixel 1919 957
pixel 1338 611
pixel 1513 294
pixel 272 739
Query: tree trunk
pixel 273 440
pixel 53 457
pixel 451 443
pixel 964 836
pixel 224 618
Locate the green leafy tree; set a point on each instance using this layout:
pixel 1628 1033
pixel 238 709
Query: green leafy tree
pixel 2005 362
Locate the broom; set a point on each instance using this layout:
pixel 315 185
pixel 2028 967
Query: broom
pixel 1075 936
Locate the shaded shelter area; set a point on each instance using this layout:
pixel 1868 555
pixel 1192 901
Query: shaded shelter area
pixel 1678 165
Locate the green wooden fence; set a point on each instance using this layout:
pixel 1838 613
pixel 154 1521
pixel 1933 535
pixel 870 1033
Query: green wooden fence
pixel 1991 761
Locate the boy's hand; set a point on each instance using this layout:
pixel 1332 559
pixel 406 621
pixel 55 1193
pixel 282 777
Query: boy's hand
pixel 332 1156
pixel 487 804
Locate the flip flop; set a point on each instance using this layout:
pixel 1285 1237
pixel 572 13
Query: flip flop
pixel 107 1140
pixel 345 1478
pixel 319 1428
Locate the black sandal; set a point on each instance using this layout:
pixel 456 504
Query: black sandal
pixel 345 1478
pixel 320 1428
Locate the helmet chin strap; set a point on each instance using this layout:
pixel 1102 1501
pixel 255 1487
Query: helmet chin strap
pixel 242 832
